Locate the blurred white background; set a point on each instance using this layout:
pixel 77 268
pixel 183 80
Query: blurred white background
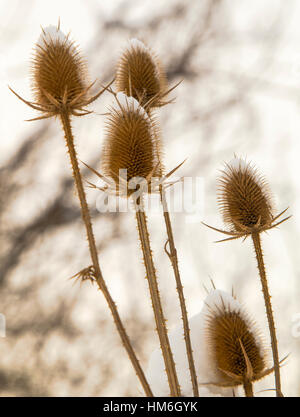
pixel 240 65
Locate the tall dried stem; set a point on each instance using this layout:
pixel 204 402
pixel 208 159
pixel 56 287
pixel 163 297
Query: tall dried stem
pixel 60 90
pixel 140 75
pixel 262 272
pixel 172 254
pixel 65 119
pixel 174 261
pixel 156 302
pixel 247 208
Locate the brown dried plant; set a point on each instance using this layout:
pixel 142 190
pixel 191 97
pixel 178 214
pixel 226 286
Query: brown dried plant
pixel 131 166
pixel 139 74
pixel 60 89
pixel 246 204
pixel 130 148
pixel 59 76
pixel 236 347
pixel 129 145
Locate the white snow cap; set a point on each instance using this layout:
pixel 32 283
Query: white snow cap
pixel 51 33
pixel 218 300
pixel 137 44
pixel 198 326
pixel 131 103
pixel 237 164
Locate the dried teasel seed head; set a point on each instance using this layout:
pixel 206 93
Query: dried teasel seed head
pixel 235 345
pixel 139 74
pixel 130 144
pixel 244 198
pixel 58 71
pixel 59 77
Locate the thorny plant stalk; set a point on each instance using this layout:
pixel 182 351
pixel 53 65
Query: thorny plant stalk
pixel 140 75
pixel 174 260
pixel 65 119
pixel 172 254
pixel 155 297
pixel 129 145
pixel 247 207
pixel 264 283
pixel 60 90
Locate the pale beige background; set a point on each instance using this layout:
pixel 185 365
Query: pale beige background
pixel 240 65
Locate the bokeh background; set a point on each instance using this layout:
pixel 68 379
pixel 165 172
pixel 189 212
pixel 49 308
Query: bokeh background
pixel 240 65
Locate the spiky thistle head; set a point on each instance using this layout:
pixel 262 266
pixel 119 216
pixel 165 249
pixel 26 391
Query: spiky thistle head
pixel 140 75
pixel 58 69
pixel 236 348
pixel 244 197
pixel 245 201
pixel 130 144
pixel 59 76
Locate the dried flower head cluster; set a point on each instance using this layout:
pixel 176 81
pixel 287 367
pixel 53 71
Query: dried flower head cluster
pixel 140 75
pixel 245 201
pixel 132 140
pixel 59 76
pixel 235 345
pixel 130 144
